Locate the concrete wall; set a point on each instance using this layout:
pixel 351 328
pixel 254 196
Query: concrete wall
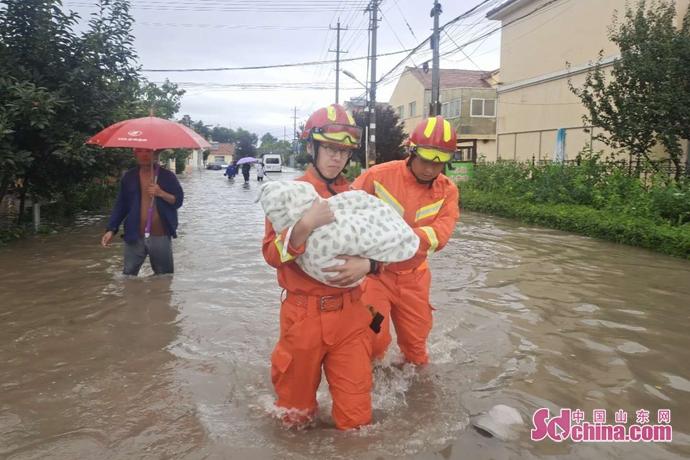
pixel 533 96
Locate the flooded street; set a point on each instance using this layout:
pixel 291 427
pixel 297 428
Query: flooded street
pixel 95 365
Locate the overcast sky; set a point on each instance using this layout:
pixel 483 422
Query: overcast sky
pixel 172 34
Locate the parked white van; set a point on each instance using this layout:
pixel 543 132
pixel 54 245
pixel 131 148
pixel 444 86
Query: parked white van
pixel 273 162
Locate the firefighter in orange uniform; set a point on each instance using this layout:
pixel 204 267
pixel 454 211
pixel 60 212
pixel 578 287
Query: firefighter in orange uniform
pixel 321 325
pixel 428 201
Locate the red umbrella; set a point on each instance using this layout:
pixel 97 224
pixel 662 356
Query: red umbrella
pixel 149 133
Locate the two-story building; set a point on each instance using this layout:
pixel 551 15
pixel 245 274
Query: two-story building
pixel 468 101
pixel 545 43
pixel 221 153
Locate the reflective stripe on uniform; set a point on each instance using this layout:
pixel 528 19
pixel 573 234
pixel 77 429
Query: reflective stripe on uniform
pixel 429 210
pixel 388 197
pixel 284 255
pixel 431 236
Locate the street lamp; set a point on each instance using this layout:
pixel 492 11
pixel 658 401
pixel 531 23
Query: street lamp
pixel 366 127
pixel 351 75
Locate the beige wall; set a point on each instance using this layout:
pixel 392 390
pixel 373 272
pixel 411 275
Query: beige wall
pixel 486 148
pixel 407 90
pixel 568 31
pixel 533 94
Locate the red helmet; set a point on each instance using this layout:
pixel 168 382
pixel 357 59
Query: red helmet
pixel 334 125
pixel 434 139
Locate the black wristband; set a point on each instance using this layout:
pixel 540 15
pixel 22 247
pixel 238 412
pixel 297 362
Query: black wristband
pixel 373 267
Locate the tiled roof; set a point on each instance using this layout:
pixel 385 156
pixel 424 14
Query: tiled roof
pixel 454 78
pixel 224 149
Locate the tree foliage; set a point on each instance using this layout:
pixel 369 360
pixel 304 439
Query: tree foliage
pixel 389 135
pixel 270 144
pixel 59 87
pixel 245 143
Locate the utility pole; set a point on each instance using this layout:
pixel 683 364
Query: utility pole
pixel 435 104
pixel 371 118
pixel 294 133
pixel 337 59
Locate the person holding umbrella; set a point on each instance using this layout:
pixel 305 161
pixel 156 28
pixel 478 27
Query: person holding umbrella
pixel 149 196
pixel 143 235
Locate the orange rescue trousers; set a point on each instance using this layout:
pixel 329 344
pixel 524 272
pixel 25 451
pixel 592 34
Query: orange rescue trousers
pixel 404 298
pixel 332 332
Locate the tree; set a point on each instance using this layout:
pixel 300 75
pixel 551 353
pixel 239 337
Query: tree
pixel 646 100
pixel 161 101
pixel 223 135
pixel 245 144
pixel 270 144
pixel 389 135
pixel 268 139
pixel 59 88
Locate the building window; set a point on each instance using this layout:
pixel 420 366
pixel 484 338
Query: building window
pixel 401 111
pixel 483 107
pixel 219 159
pixel 451 109
pixel 413 109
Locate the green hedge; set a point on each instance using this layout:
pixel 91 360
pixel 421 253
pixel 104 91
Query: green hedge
pixel 585 220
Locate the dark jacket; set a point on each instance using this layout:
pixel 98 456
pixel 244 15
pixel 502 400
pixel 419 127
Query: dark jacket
pixel 128 204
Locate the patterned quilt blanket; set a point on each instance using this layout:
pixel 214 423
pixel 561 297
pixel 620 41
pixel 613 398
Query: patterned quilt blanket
pixel 364 226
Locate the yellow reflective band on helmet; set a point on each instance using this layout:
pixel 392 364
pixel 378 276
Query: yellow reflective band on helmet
pixel 337 138
pixel 331 113
pixel 429 210
pixel 431 236
pixel 386 196
pixel 430 125
pixel 446 131
pixel 438 156
pixel 284 255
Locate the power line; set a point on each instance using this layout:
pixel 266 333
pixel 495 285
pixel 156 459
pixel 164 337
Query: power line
pixel 461 50
pixel 232 26
pixel 405 19
pixel 223 7
pixel 423 43
pixel 473 40
pixel 274 66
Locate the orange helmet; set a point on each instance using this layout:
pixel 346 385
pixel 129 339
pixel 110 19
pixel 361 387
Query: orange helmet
pixel 333 124
pixel 434 139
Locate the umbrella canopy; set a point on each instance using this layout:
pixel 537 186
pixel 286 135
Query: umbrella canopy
pixel 149 133
pixel 247 160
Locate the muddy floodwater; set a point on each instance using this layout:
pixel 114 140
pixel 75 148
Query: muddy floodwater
pixel 98 366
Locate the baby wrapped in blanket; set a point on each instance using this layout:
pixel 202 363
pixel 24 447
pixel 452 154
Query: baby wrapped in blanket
pixel 364 226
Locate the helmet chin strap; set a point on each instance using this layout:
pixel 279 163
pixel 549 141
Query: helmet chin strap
pixel 328 181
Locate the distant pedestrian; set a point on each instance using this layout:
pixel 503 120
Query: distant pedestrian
pixel 231 171
pixel 260 171
pixel 245 172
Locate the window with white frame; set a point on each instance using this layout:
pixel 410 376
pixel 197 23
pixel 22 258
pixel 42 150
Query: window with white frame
pixel 483 107
pixel 413 109
pixel 401 111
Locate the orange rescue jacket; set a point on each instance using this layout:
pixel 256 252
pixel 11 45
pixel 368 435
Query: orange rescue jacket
pixel 431 211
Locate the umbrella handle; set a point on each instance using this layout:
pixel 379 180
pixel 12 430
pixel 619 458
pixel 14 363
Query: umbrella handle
pixel 149 213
